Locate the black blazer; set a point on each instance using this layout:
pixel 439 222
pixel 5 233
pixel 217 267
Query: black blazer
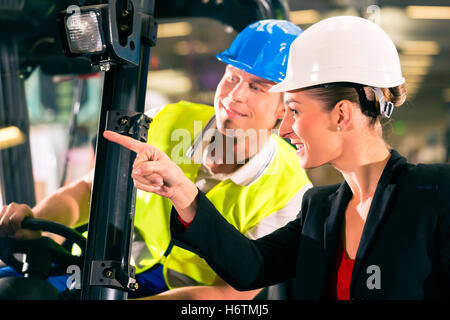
pixel 404 252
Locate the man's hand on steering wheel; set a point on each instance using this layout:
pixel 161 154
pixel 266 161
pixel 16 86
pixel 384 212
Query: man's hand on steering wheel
pixel 11 217
pixel 43 256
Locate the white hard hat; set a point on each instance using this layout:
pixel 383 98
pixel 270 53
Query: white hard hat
pixel 342 49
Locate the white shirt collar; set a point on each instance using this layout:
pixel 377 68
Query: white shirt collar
pixel 247 173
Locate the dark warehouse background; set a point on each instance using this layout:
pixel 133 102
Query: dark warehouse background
pixel 183 67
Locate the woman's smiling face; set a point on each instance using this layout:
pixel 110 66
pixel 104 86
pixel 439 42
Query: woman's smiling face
pixel 309 127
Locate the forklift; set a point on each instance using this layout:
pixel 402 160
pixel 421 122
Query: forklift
pixel 113 37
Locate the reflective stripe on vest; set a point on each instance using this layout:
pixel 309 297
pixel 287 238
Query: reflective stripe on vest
pixel 242 206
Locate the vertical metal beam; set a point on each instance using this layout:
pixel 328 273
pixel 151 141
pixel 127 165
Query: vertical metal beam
pixel 111 219
pixel 447 133
pixel 17 183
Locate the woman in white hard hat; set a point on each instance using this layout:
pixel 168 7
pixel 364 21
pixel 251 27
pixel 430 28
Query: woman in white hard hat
pixel 384 233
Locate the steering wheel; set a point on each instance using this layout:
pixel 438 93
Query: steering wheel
pixel 43 257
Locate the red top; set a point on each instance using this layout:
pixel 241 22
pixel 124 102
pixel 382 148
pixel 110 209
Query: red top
pixel 185 224
pixel 345 268
pixel 338 286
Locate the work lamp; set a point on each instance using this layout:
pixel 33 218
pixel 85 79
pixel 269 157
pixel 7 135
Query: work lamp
pixel 82 30
pixel 105 33
pixel 85 33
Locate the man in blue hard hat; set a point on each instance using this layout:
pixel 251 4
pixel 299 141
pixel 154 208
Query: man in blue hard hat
pixel 252 176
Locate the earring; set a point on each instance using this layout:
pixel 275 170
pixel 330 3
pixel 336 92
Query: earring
pixel 339 128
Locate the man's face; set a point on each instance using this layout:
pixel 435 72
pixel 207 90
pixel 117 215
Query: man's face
pixel 243 101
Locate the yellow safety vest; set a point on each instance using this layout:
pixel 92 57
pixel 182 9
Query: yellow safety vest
pixel 242 206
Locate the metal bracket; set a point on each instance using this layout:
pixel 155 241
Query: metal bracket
pixel 128 123
pixel 109 273
pixel 149 30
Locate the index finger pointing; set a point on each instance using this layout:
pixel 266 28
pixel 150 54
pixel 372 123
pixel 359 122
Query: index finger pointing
pixel 124 141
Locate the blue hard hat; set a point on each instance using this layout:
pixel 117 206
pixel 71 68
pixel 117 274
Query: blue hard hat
pixel 262 48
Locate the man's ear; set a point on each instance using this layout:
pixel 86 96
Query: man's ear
pixel 280 113
pixel 281 110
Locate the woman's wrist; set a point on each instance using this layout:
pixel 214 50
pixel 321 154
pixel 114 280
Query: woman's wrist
pixel 184 201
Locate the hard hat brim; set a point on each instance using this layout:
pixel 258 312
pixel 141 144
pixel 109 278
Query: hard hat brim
pixel 247 68
pixel 289 85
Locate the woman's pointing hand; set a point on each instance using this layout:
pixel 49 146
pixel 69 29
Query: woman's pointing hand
pixel 153 171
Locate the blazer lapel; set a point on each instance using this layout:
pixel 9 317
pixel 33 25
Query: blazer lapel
pixel 377 211
pixel 338 202
pixel 325 226
pixel 335 207
pixel 383 194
